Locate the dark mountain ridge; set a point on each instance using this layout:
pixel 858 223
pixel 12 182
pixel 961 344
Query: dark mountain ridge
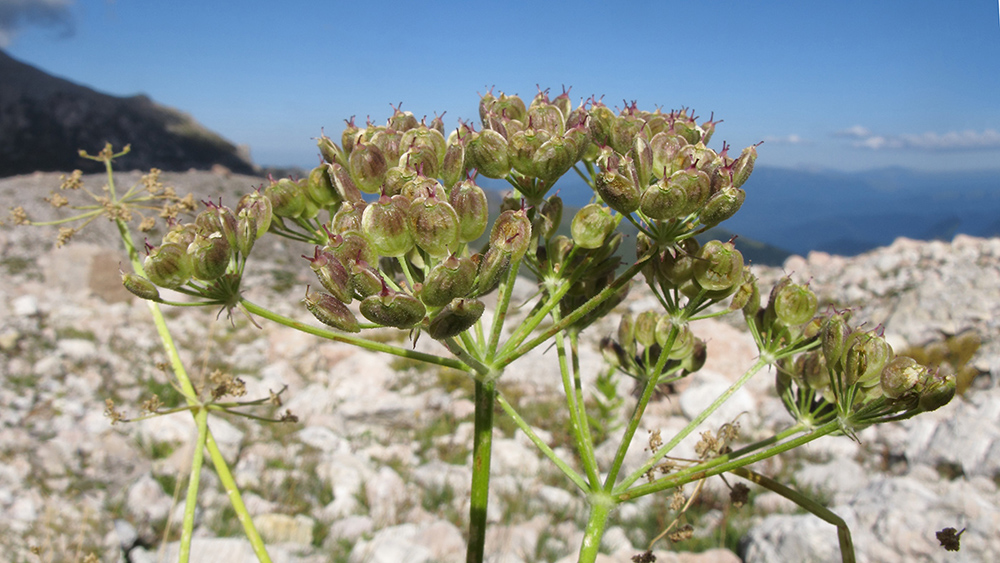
pixel 45 120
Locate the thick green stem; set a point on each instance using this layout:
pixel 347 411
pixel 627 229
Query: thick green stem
pixel 190 503
pixel 601 505
pixel 481 451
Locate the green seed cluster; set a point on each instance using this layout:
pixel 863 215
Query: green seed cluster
pixel 856 374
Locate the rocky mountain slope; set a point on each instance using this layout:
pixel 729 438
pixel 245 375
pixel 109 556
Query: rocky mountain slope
pixel 45 120
pixel 376 469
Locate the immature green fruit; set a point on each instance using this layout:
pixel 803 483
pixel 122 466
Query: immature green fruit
pixel 259 206
pixel 422 158
pixel 554 158
pixel 618 188
pixel 833 337
pixel 683 344
pixel 666 147
pixel 676 266
pixel 320 188
pixel 747 297
pixel 510 106
pixel 511 233
pixel 493 267
pixel 453 277
pixel 453 165
pixel 722 206
pixel 688 130
pixel 696 186
pixel 330 151
pixel 744 166
pixel 311 209
pixel 626 129
pixel 795 304
pixel 210 256
pixel 663 201
pixel 403 120
pixel 331 311
pixel 469 202
pixel 349 246
pixel 287 198
pixel 457 317
pixel 350 135
pixel 591 226
pixel 389 143
pixel 434 225
pixel 602 123
pixel 813 370
pixel 348 218
pixel 217 219
pixel 719 266
pixel 865 354
pixel 246 232
pixel 342 181
pixel 423 136
pixel 938 391
pixel 547 118
pixel 397 177
pixel 642 156
pixel 488 152
pixel 168 265
pixel 387 227
pixel 365 280
pixel 626 337
pixel 182 234
pixel 523 146
pixel 423 186
pixel 392 308
pixel 367 166
pixel 901 376
pixel 332 274
pixel 140 286
pixel 645 328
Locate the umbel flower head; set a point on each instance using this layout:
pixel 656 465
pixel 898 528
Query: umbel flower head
pixel 146 200
pixel 411 255
pixel 856 377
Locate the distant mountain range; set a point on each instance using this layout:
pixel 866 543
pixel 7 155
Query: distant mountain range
pixel 849 213
pixel 45 120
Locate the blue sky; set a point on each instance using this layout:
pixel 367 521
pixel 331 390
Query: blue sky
pixel 840 85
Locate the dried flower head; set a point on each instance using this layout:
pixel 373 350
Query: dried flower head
pixel 683 533
pixel 57 200
pixel 152 404
pixel 111 412
pixel 72 182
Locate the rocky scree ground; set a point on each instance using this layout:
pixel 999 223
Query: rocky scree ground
pixel 377 470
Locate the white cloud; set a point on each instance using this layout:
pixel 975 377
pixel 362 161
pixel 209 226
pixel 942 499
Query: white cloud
pixel 856 131
pixel 17 14
pixel 790 139
pixel 930 141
